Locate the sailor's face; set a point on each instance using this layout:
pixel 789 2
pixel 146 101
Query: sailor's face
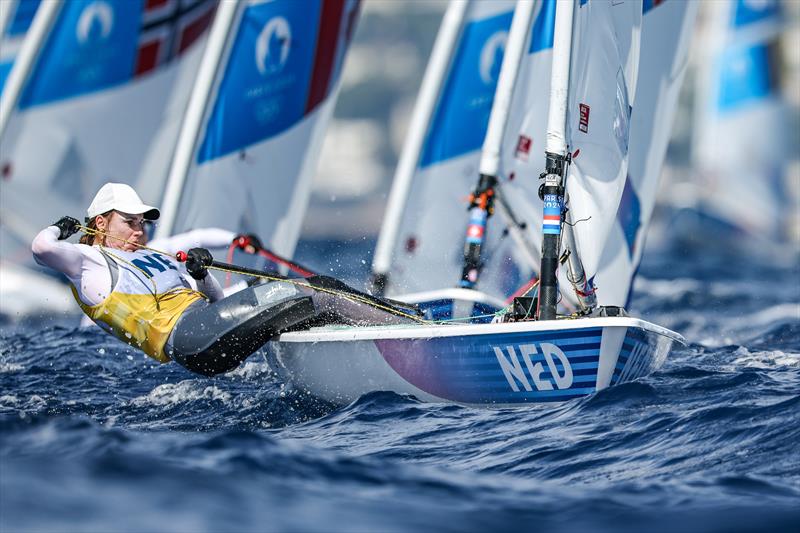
pixel 124 231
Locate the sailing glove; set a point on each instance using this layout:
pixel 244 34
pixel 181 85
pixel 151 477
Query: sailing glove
pixel 248 242
pixel 197 263
pixel 68 226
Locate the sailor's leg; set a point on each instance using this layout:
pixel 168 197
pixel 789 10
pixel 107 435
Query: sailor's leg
pixel 215 338
pixel 338 303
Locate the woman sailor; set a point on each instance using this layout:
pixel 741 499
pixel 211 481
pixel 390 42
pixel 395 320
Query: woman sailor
pixel 145 298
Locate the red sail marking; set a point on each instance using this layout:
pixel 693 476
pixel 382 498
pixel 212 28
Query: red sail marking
pixel 325 56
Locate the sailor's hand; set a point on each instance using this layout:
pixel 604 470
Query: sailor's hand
pixel 248 242
pixel 197 262
pixel 68 226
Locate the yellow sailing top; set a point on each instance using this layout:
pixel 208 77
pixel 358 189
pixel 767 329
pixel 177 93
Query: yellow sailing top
pixel 146 300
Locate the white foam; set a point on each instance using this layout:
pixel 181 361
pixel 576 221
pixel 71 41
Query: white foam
pixel 667 289
pixel 674 289
pixel 251 370
pixel 767 360
pixel 777 313
pixel 170 394
pixel 718 329
pixel 8 400
pixel 9 368
pixel 32 403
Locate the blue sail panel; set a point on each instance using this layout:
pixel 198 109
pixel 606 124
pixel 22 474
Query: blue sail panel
pixel 629 215
pixel 23 17
pixel 544 28
pixel 92 46
pixel 266 82
pixel 462 115
pixel 748 12
pixel 745 76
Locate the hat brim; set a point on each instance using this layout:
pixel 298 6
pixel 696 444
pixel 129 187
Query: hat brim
pixel 147 211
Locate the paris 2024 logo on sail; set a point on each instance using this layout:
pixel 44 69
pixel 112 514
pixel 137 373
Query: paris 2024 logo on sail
pixel 92 46
pixel 266 82
pixel 94 23
pixel 273 46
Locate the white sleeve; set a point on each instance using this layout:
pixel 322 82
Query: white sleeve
pixel 210 287
pixel 199 238
pixel 59 255
pixel 83 265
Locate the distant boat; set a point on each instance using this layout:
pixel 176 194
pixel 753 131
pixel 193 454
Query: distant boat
pixel 742 132
pixel 616 71
pixel 16 17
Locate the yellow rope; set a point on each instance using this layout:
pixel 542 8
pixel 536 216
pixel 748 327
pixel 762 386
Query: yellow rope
pixel 346 295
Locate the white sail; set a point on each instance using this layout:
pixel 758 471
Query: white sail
pixel 97 93
pixel 741 128
pixel 666 33
pixel 254 126
pixel 85 106
pixel 627 67
pixel 428 250
pixel 605 64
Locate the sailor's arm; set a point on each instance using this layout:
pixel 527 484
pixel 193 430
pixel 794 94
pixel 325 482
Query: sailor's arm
pixel 210 287
pixel 50 250
pixel 197 262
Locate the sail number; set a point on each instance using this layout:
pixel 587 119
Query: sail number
pixel 515 373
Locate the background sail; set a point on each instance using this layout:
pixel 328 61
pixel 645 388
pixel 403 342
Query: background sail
pixel 91 106
pixel 262 131
pixel 20 15
pixel 666 32
pixel 741 128
pixel 429 248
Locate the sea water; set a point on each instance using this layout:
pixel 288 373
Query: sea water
pixel 97 437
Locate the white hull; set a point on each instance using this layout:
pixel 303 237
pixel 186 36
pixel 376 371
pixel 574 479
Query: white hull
pixel 481 364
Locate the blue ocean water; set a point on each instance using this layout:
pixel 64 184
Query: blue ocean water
pixel 96 437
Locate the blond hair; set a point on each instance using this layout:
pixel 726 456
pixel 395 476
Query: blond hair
pixel 88 238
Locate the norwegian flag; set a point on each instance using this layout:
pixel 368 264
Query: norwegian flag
pixel 169 27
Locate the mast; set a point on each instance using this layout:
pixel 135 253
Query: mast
pixel 435 74
pixel 195 111
pixel 26 59
pixel 482 199
pixel 557 161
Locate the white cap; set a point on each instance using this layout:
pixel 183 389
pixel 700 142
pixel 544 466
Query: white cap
pixel 120 197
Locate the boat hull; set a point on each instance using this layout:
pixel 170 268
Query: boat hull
pixel 484 364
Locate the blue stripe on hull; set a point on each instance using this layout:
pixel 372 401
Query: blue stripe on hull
pixel 636 357
pixel 503 368
pixel 523 367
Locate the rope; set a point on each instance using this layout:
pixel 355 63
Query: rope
pixel 303 283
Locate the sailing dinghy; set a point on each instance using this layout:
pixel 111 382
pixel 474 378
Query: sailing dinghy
pixel 603 64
